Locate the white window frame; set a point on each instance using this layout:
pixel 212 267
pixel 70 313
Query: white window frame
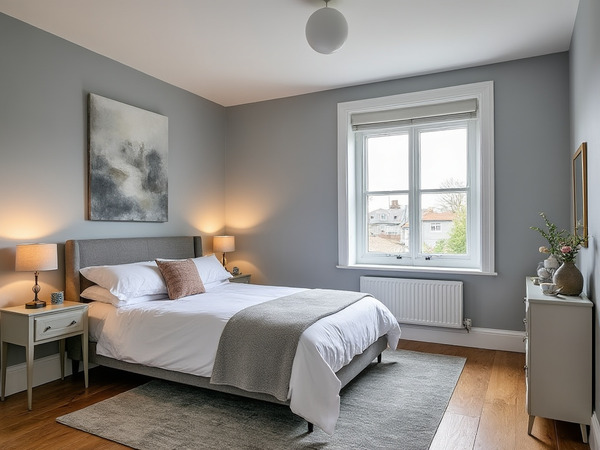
pixel 347 169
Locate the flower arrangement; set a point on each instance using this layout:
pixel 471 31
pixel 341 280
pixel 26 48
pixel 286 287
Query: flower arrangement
pixel 561 243
pixel 571 246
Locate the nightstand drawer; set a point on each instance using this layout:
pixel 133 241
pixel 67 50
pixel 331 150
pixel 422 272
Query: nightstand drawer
pixel 51 325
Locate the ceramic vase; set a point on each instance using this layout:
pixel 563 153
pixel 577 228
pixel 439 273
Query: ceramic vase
pixel 546 269
pixel 568 279
pixel 551 262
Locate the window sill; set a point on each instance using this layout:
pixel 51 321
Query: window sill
pixel 417 269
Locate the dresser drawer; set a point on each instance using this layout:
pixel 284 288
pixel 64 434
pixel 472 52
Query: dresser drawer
pixel 52 325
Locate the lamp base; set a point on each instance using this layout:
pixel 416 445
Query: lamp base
pixel 35 304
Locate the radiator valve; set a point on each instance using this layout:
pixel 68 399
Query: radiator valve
pixel 467 324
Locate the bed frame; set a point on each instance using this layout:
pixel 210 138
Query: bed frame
pixel 96 252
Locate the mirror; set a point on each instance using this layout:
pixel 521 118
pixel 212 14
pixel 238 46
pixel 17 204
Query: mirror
pixel 580 192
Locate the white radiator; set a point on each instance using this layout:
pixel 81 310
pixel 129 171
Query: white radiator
pixel 422 302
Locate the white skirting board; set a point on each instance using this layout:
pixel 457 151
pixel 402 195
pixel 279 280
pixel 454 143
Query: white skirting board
pixel 488 338
pixel 594 433
pixel 45 370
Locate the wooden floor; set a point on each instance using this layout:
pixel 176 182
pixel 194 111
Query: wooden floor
pixel 487 409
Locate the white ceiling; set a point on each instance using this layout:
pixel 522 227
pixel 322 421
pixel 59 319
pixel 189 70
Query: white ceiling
pixel 241 51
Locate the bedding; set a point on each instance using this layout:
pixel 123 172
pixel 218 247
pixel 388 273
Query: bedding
pixel 134 280
pixel 211 270
pixel 181 278
pixel 100 294
pixel 128 280
pixel 158 333
pixel 177 340
pixel 253 335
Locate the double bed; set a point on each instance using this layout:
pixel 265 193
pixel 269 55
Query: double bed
pixel 135 326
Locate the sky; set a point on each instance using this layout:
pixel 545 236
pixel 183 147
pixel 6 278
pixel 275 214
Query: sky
pixel 443 155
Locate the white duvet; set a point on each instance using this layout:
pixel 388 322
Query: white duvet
pixel 183 335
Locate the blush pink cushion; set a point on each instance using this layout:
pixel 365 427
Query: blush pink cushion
pixel 181 277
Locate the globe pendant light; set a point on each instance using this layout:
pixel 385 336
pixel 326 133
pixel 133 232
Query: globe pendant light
pixel 326 30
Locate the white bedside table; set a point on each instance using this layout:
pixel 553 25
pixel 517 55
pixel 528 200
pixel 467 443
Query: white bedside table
pixel 558 357
pixel 30 327
pixel 241 278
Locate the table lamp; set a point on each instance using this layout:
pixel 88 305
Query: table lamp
pixel 224 244
pixel 36 258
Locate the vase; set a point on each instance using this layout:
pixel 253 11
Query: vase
pixel 551 262
pixel 568 279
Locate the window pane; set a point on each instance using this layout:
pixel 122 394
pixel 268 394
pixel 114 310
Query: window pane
pixel 387 163
pixel 387 223
pixel 443 158
pixel 444 224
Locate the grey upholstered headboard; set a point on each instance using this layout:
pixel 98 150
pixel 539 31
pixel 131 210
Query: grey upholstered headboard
pixel 98 252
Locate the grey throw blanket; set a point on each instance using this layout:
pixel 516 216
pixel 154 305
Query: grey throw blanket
pixel 258 344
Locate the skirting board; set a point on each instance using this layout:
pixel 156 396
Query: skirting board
pixel 488 338
pixel 45 370
pixel 594 433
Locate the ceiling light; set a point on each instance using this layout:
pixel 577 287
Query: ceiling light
pixel 326 30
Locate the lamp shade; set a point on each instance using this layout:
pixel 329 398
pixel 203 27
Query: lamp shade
pixel 326 30
pixel 36 257
pixel 223 244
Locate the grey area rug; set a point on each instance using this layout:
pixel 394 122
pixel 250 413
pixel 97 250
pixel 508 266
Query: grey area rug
pixel 397 404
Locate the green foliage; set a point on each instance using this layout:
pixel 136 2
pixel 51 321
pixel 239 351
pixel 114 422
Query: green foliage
pixel 561 243
pixel 456 244
pixel 552 235
pixel 457 241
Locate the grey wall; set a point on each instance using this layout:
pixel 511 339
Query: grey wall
pixel 282 183
pixel 44 82
pixel 273 164
pixel 585 127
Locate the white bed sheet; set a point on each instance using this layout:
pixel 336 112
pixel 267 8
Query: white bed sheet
pixel 183 336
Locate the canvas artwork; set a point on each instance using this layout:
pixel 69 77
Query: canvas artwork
pixel 128 151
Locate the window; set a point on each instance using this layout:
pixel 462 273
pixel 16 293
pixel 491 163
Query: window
pixel 436 227
pixel 423 162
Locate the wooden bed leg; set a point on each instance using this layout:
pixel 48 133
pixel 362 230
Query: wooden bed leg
pixel 379 358
pixel 311 427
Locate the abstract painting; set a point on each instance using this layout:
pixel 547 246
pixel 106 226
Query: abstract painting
pixel 128 152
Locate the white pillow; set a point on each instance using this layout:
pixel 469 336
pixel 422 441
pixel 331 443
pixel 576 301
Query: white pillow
pixel 211 269
pixel 100 294
pixel 127 280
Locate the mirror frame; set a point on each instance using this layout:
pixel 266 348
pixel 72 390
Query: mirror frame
pixel 579 176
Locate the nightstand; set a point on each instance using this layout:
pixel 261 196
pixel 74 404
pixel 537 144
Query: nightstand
pixel 241 278
pixel 30 327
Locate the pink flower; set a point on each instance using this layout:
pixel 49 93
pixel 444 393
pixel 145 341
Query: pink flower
pixel 566 249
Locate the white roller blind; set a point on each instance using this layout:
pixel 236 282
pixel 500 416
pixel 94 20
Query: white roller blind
pixel 454 109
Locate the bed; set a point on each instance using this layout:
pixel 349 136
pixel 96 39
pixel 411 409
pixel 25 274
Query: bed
pixel 160 337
